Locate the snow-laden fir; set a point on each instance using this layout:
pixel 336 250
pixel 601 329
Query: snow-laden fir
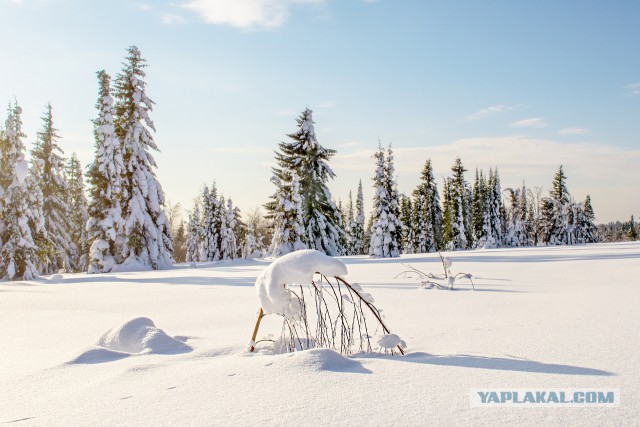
pixel 307 159
pixel 146 232
pixel 21 218
pixel 386 229
pixel 105 177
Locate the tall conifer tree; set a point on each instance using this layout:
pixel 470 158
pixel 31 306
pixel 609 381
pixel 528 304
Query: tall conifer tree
pixel 51 178
pixel 427 217
pixel 358 231
pixel 20 220
pixel 309 160
pixel 148 237
pixel 105 235
pixel 194 235
pixel 79 216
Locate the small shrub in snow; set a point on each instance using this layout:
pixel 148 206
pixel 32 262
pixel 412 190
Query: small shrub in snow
pixel 324 312
pixel 441 281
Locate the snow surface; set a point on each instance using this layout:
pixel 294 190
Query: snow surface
pixel 557 317
pixel 294 268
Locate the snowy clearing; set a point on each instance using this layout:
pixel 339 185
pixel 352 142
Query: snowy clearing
pixel 168 347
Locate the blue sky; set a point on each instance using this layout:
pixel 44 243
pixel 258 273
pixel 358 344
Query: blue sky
pixel 524 86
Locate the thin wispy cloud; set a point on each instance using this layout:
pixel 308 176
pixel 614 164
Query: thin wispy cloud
pixel 144 6
pixel 485 112
pixel 633 89
pixel 172 19
pixel 534 122
pixel 517 158
pixel 573 131
pixel 246 14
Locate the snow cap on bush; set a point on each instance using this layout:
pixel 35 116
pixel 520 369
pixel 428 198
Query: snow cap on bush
pixel 294 268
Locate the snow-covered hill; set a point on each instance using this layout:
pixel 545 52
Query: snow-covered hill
pixel 168 347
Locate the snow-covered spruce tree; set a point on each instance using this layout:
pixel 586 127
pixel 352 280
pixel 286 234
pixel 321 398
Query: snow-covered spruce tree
pixel 574 229
pixel 343 240
pixel 523 209
pixel 406 218
pixel 350 223
pixel 559 233
pixel 194 235
pixel 180 243
pixel 418 222
pixel 224 242
pixel 288 228
pixel 380 237
pixel 393 213
pixel 546 221
pixel 358 230
pixel 239 228
pixel 211 225
pixel 496 212
pixel 105 175
pixel 590 230
pixel 427 212
pixel 51 178
pixel 368 232
pixel 386 225
pixel 148 237
pixel 18 251
pixel 447 214
pixel 459 223
pixel 632 234
pixel 37 223
pixel 515 235
pixel 79 216
pixel 228 244
pixel 480 226
pixel 309 160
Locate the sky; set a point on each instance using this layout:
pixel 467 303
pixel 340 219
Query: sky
pixel 524 86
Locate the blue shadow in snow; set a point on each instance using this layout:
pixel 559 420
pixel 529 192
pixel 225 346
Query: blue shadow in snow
pixel 501 364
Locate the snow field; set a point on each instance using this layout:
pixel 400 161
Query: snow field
pixel 560 317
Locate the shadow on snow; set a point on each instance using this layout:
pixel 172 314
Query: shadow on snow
pixel 500 364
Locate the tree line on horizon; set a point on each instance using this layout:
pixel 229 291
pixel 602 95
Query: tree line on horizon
pixel 302 214
pixel 48 225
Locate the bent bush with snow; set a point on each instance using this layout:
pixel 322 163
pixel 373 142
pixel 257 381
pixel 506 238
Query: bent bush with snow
pixel 323 312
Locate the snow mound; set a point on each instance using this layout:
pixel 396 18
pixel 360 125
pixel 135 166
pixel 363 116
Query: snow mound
pixel 56 278
pixel 141 335
pixel 294 268
pixel 324 359
pixel 137 336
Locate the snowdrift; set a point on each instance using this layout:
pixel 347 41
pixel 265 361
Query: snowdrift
pixel 137 336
